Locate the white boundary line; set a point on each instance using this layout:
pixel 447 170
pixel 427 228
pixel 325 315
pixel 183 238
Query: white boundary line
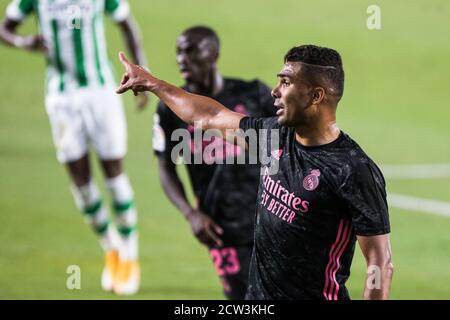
pixel 416 171
pixel 419 204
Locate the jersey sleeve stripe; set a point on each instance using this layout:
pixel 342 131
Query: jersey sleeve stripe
pixel 337 262
pixel 111 5
pixel 122 12
pixel 336 251
pixel 19 9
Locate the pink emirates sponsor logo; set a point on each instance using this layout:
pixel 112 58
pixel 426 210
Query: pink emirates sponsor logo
pixel 280 201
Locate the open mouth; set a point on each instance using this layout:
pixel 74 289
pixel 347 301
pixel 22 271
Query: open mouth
pixel 185 71
pixel 280 110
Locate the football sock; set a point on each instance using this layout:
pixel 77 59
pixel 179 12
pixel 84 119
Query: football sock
pixel 88 200
pixel 126 215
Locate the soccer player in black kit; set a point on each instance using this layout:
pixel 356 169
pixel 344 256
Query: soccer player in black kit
pixel 326 194
pixel 226 193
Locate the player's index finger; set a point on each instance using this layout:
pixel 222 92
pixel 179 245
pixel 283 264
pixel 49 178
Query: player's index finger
pixel 124 60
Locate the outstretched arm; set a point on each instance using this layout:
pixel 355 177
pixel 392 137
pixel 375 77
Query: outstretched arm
pixel 130 32
pixel 377 251
pixel 192 109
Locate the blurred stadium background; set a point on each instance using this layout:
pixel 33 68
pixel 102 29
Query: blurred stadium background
pixel 396 105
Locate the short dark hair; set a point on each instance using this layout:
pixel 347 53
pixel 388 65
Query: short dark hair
pixel 323 66
pixel 204 32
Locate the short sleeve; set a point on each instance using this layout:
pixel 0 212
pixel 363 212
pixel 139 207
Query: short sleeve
pixel 118 9
pixel 253 126
pixel 18 10
pixel 257 132
pixel 163 126
pixel 247 123
pixel 365 193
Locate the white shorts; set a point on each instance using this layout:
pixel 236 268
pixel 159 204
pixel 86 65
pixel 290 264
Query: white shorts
pixel 87 116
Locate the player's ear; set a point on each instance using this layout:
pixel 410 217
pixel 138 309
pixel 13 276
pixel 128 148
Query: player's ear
pixel 216 52
pixel 212 54
pixel 318 95
pixel 212 57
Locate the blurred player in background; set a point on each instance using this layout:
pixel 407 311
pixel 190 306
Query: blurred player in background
pixel 83 109
pixel 226 194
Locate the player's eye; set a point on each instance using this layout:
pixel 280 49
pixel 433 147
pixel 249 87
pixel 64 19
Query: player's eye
pixel 190 50
pixel 285 83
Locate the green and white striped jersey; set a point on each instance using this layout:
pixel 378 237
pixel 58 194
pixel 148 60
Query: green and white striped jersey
pixel 73 30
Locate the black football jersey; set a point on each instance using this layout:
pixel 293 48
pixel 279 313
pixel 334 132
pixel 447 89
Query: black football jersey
pixel 309 211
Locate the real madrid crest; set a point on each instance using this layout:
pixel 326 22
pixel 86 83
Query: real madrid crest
pixel 311 181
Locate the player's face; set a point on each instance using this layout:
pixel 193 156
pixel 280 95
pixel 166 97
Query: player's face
pixel 293 96
pixel 195 58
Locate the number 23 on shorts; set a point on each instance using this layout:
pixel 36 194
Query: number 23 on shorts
pixel 225 261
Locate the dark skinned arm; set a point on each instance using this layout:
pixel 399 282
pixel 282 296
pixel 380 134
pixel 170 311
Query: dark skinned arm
pixel 203 227
pixel 9 36
pixel 130 32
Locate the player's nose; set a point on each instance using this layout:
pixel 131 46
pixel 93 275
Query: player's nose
pixel 276 92
pixel 182 58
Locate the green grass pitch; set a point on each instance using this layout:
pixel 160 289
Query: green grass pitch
pixel 396 105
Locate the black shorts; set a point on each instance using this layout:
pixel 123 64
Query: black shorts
pixel 232 266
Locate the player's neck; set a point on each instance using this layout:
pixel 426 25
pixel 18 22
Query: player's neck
pixel 211 87
pixel 318 134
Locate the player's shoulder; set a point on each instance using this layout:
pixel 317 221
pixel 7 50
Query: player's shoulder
pixel 272 123
pixel 358 161
pixel 355 152
pixel 268 123
pixel 235 84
